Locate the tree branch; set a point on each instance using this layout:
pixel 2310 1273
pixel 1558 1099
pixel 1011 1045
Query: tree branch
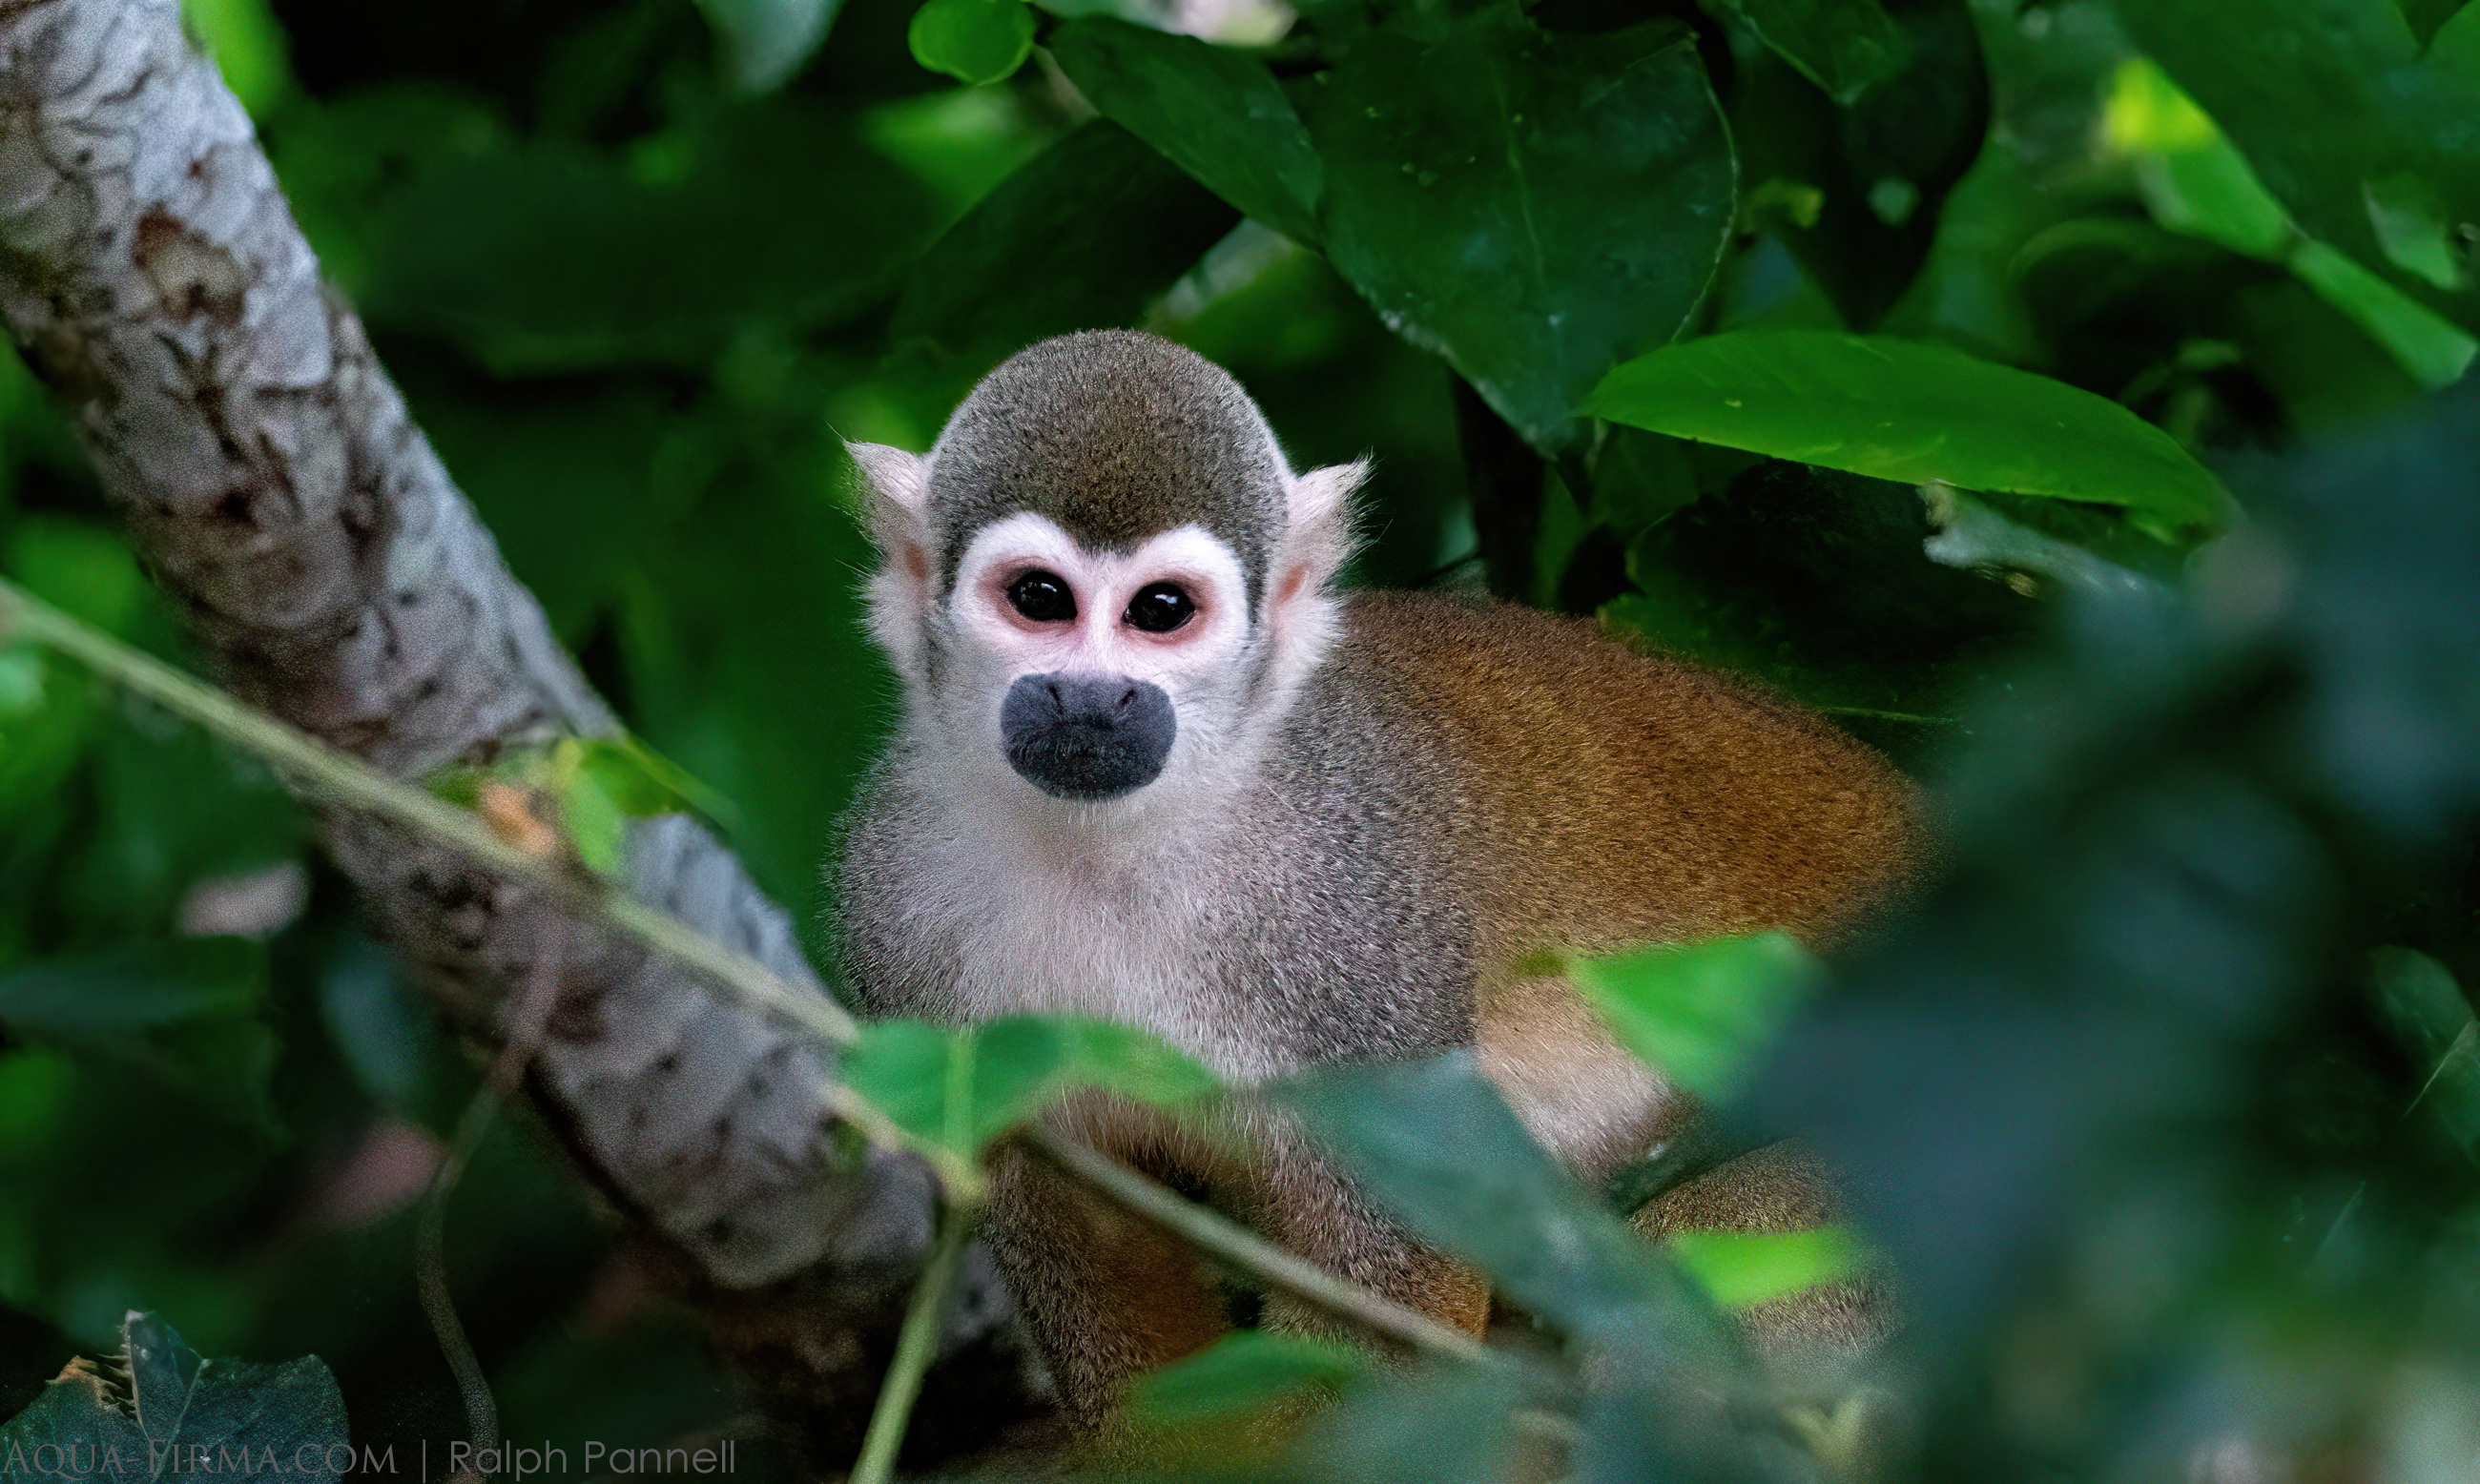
pixel 334 576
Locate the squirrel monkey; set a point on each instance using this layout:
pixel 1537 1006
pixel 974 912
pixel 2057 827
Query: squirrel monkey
pixel 1151 766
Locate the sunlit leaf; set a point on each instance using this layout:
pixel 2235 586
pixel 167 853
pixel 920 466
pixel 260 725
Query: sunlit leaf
pixel 2333 104
pixel 958 1088
pixel 1742 1269
pixel 248 47
pixel 1533 207
pixel 1898 409
pixel 1216 113
pixel 973 41
pixel 1701 1013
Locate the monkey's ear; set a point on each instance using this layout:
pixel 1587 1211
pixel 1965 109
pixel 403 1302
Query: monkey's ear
pixel 895 490
pixel 1317 535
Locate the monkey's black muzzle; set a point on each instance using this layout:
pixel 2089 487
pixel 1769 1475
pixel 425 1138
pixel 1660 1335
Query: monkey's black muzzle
pixel 1086 736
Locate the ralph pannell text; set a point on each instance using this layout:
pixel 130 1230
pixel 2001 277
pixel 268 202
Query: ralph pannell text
pixel 508 1461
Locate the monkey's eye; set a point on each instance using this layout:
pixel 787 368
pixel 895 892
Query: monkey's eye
pixel 1159 607
pixel 1043 597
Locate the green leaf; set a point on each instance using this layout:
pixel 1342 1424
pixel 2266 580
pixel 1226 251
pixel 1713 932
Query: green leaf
pixel 187 1014
pixel 247 44
pixel 158 1400
pixel 765 42
pixel 2195 182
pixel 1898 409
pixel 1533 208
pixel 1704 1011
pixel 973 41
pixel 1434 1144
pixel 2344 121
pixel 1843 46
pixel 1241 1372
pixel 958 1090
pixel 1088 233
pixel 1216 113
pixel 1742 1269
pixel 2433 1022
pixel 2426 18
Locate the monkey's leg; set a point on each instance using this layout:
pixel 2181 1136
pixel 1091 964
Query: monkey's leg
pixel 1106 1295
pixel 1309 1206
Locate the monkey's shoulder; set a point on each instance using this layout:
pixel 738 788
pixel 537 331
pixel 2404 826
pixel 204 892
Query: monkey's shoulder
pixel 1625 794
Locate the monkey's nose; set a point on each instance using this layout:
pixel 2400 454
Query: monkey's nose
pixel 1086 736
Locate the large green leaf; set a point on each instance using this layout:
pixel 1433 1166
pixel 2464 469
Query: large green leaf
pixel 1843 46
pixel 2426 18
pixel 1898 409
pixel 1216 113
pixel 1434 1144
pixel 159 1402
pixel 1086 233
pixel 956 1090
pixel 2369 144
pixel 1702 1013
pixel 1533 208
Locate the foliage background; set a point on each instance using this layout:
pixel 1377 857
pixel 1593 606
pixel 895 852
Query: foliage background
pixel 639 265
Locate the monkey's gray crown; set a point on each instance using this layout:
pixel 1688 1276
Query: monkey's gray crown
pixel 1117 436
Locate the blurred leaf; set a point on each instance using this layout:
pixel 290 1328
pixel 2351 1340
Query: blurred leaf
pixel 248 47
pixel 389 1038
pixel 1744 1268
pixel 84 570
pixel 957 1090
pixel 2436 353
pixel 21 679
pixel 1898 409
pixel 1243 1371
pixel 549 256
pixel 2427 16
pixel 1701 1013
pixel 1533 208
pixel 2382 117
pixel 1843 46
pixel 1087 233
pixel 186 1012
pixel 2194 182
pixel 1436 1424
pixel 974 41
pixel 765 42
pixel 1433 1142
pixel 1214 112
pixel 2429 1013
pixel 158 1400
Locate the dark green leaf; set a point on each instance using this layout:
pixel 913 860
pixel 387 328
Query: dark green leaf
pixel 159 1402
pixel 2387 134
pixel 1701 1013
pixel 1898 409
pixel 973 41
pixel 1216 113
pixel 1447 1425
pixel 1843 46
pixel 1433 1142
pixel 1533 208
pixel 2426 16
pixel 186 1012
pixel 1087 233
pixel 1243 1371
pixel 2434 1021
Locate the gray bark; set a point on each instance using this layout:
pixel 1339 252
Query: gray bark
pixel 334 575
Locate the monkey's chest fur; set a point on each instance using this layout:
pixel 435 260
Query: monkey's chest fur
pixel 1319 915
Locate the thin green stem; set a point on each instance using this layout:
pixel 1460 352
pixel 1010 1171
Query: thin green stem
pixel 1228 1239
pixel 915 1345
pixel 339 779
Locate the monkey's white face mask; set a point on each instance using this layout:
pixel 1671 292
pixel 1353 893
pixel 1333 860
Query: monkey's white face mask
pixel 1048 670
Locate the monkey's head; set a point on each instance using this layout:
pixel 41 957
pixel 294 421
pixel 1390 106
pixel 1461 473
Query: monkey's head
pixel 1105 573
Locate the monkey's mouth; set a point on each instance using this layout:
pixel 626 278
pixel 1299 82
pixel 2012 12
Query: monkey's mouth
pixel 1086 736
